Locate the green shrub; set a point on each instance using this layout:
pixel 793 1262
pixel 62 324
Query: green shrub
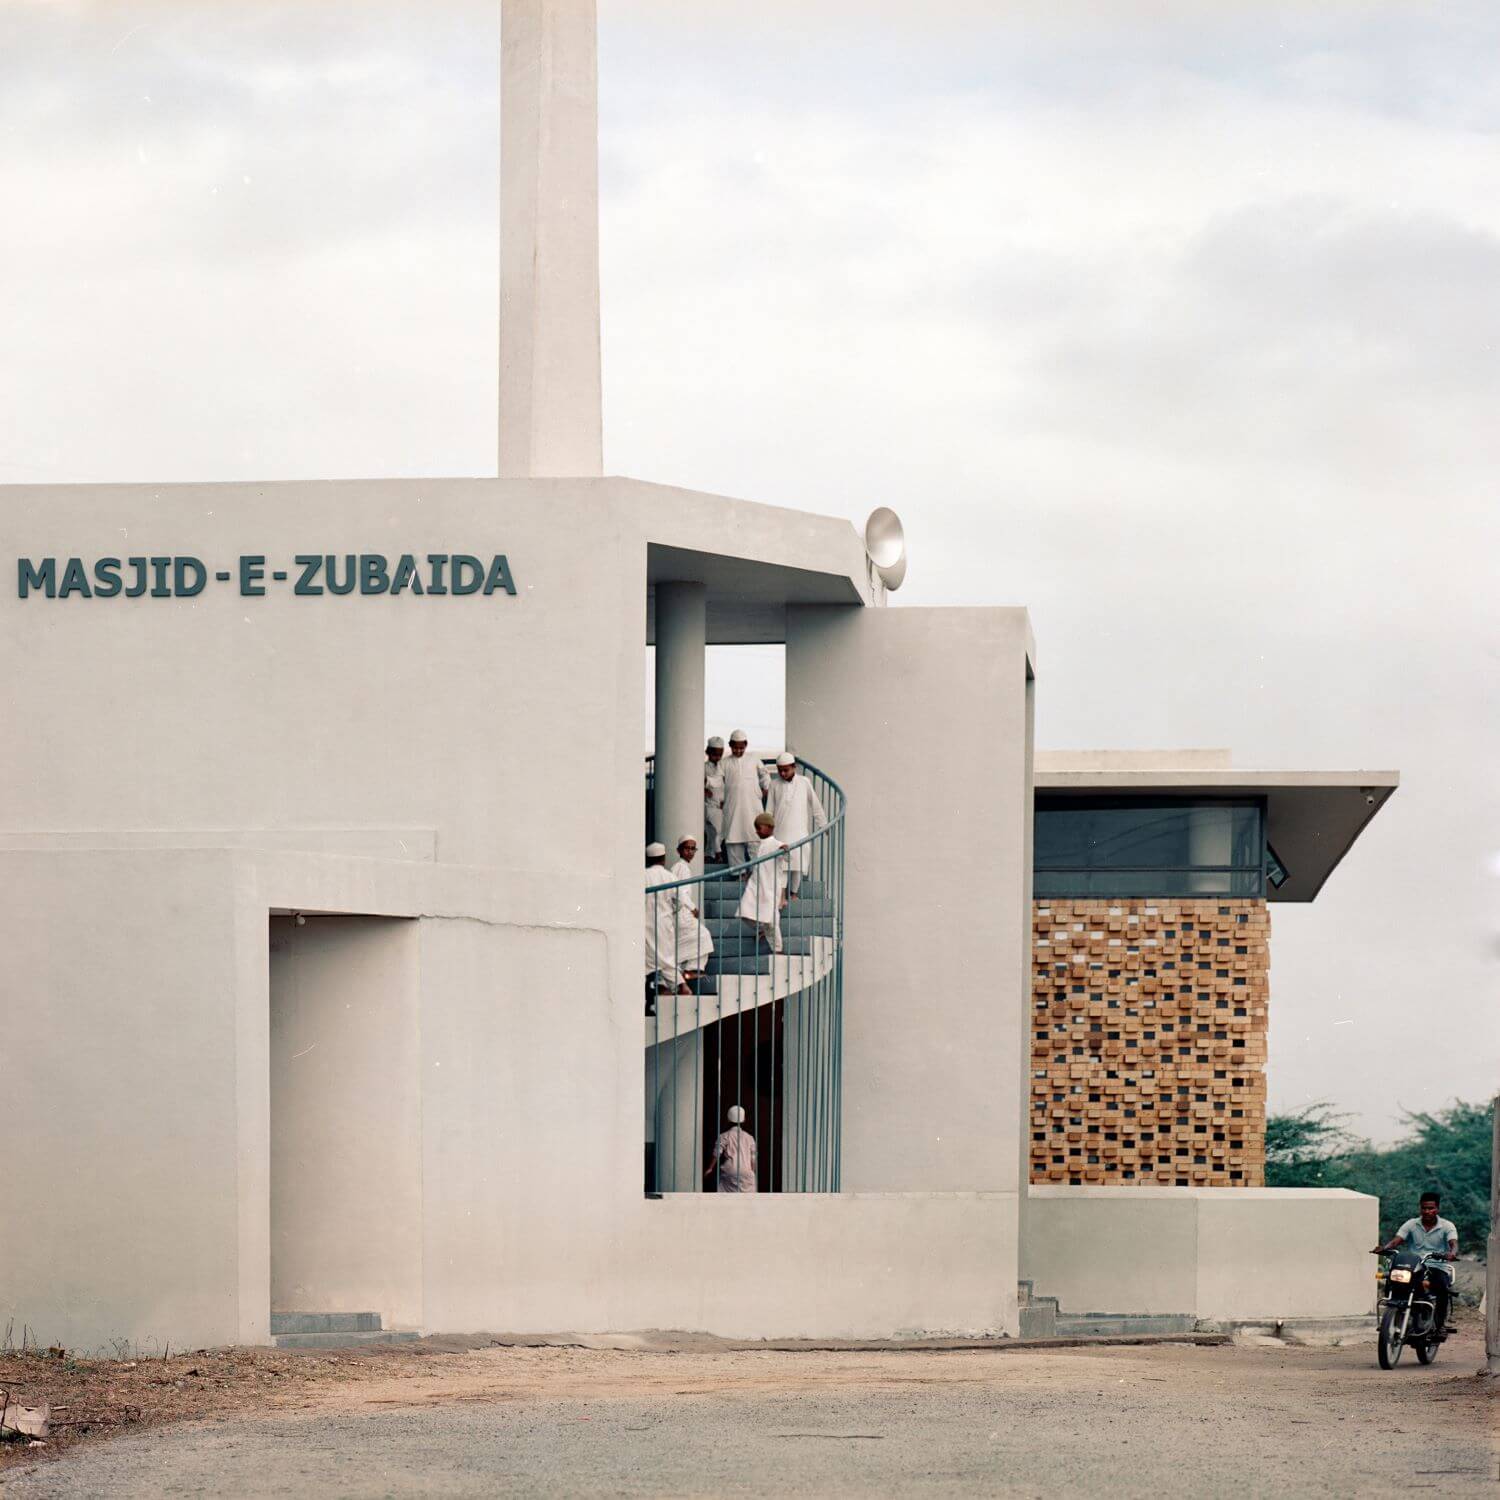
pixel 1447 1151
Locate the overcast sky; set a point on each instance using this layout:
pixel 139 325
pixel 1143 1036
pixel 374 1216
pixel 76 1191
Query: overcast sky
pixel 1177 322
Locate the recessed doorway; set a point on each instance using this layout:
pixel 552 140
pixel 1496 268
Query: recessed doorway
pixel 346 1145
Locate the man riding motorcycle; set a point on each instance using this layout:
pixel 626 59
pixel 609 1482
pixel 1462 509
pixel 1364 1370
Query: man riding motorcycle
pixel 1430 1235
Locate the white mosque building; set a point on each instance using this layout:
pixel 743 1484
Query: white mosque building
pixel 321 865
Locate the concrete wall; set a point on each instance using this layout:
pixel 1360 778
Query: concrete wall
pixel 847 1266
pixel 921 716
pixel 1217 1254
pixel 346 1118
pixel 185 768
pixel 531 1170
pixel 317 713
pixel 119 1103
pixel 150 1196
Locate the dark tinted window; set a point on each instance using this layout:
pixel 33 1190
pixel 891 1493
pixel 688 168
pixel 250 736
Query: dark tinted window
pixel 1148 847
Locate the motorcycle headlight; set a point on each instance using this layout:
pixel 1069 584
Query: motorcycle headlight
pixel 1401 1274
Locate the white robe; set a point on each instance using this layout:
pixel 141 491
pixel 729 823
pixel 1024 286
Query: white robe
pixel 745 783
pixel 694 945
pixel 734 1154
pixel 799 814
pixel 661 929
pixel 713 806
pixel 761 902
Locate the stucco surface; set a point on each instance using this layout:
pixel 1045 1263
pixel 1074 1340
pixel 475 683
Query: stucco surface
pixel 118 1099
pixel 346 1117
pixel 287 712
pixel 186 768
pixel 921 716
pixel 531 1156
pixel 851 1265
pixel 1217 1254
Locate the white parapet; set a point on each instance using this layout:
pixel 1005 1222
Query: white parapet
pixel 1219 1255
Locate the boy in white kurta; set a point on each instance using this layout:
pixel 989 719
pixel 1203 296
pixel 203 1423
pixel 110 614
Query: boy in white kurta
pixel 661 926
pixel 798 813
pixel 694 945
pixel 745 784
pixel 734 1157
pixel 765 890
pixel 713 800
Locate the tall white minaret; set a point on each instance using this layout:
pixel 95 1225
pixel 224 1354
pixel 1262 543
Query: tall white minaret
pixel 551 402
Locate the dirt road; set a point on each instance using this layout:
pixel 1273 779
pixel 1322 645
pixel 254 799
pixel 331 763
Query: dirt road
pixel 1130 1421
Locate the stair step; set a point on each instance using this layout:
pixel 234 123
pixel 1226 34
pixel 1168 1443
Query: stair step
pixel 726 930
pixel 1122 1325
pixel 342 1322
pixel 719 911
pixel 741 961
pixel 1038 1322
pixel 724 884
pixel 343 1340
pixel 747 963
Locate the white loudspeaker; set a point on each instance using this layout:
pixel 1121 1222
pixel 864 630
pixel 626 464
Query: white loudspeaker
pixel 885 542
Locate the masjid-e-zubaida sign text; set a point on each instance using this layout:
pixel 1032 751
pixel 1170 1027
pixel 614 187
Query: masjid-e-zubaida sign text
pixel 179 577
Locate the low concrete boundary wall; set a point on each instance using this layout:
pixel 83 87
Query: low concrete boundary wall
pixel 1216 1254
pixel 805 1265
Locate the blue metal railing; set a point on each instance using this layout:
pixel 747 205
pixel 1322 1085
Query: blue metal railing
pixel 744 1004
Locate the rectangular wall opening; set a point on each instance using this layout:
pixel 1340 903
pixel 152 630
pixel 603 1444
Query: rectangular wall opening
pixel 346 1231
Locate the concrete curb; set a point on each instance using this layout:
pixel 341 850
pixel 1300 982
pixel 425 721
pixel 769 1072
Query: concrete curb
pixel 645 1345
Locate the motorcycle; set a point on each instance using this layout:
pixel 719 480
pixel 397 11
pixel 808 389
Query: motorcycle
pixel 1408 1307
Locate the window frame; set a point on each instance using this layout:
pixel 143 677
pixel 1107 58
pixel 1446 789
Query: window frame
pixel 1144 801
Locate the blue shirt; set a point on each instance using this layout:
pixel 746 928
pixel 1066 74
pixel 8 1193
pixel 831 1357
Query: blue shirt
pixel 1438 1240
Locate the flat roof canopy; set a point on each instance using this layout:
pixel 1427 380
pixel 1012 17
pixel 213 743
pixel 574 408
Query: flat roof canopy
pixel 1312 817
pixel 753 559
pixel 746 600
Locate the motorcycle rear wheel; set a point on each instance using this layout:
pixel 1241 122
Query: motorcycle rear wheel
pixel 1391 1325
pixel 1427 1351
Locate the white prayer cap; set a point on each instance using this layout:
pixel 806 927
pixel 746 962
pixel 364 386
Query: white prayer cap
pixel 687 838
pixel 739 737
pixel 736 1115
pixel 786 758
pixel 716 743
pixel 656 851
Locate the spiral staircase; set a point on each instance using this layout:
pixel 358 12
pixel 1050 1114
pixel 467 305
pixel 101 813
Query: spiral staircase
pixel 776 1017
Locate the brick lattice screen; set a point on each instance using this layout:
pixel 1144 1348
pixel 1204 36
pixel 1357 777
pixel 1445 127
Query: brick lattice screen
pixel 1148 1041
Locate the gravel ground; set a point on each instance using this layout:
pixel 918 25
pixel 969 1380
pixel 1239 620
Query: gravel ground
pixel 1123 1422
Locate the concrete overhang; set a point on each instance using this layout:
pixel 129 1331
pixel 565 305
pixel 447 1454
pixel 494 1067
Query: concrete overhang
pixel 1312 817
pixel 747 600
pixel 753 559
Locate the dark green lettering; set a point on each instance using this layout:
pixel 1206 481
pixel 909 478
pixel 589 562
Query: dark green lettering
pixel 351 574
pixel 182 585
pixel 309 566
pixel 32 577
pixel 74 580
pixel 499 576
pixel 373 578
pixel 406 575
pixel 439 561
pixel 137 588
pixel 106 578
pixel 159 566
pixel 252 570
pixel 468 574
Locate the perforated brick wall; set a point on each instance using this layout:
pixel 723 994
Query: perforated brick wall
pixel 1149 1041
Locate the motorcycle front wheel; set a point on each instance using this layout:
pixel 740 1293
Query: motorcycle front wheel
pixel 1392 1336
pixel 1427 1351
